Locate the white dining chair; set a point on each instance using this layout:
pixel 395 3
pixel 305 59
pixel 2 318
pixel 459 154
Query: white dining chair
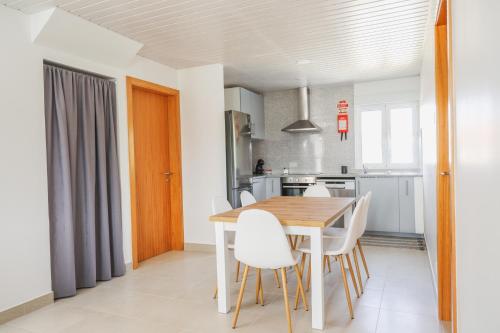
pixel 315 191
pixel 318 191
pixel 261 243
pixel 361 231
pixel 341 232
pixel 247 198
pixel 340 248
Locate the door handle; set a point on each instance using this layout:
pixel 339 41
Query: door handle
pixel 445 173
pixel 166 173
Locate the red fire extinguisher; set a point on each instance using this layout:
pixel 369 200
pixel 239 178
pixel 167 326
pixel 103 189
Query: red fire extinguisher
pixel 343 125
pixel 343 119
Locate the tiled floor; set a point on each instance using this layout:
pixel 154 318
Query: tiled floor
pixel 173 293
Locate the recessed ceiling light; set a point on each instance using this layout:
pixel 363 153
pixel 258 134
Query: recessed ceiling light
pixel 304 62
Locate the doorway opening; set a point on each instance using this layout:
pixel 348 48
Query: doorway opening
pixel 155 169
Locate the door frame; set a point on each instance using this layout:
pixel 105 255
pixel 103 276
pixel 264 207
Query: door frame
pixel 446 285
pixel 176 212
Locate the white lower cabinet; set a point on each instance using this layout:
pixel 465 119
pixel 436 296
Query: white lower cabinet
pixel 273 187
pixel 259 188
pixel 384 207
pixel 392 208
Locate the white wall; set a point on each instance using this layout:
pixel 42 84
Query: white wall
pixel 476 54
pixel 203 148
pixel 387 91
pixel 24 226
pixel 428 125
pixel 24 234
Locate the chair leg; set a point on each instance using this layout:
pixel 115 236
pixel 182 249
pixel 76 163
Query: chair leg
pixel 329 264
pixel 363 258
pixel 276 278
pixel 301 270
pixel 240 296
pixel 324 263
pixel 351 271
pixel 285 294
pixel 309 275
pixel 261 290
pixel 216 292
pixel 258 288
pixel 358 272
pixel 300 288
pixel 237 270
pixel 295 241
pixel 346 286
pixel 291 241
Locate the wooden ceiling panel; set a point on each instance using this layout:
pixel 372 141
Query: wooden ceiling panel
pixel 260 41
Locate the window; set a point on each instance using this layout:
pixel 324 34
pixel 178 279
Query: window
pixel 389 136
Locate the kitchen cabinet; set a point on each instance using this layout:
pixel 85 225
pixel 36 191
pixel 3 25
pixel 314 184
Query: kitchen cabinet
pixel 259 188
pixel 406 205
pixel 384 207
pixel 392 208
pixel 273 187
pixel 243 100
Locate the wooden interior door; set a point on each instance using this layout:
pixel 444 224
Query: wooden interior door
pixel 155 169
pixel 444 168
pixel 152 172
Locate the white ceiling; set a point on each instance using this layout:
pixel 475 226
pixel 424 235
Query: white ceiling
pixel 260 41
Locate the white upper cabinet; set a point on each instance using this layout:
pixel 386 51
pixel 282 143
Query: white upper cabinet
pixel 243 100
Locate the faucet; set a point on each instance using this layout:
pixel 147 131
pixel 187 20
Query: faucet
pixel 364 169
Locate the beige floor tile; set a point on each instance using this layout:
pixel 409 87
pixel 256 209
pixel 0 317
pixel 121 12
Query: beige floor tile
pixel 173 293
pixel 374 282
pixel 11 329
pixel 53 318
pixel 397 322
pixel 410 301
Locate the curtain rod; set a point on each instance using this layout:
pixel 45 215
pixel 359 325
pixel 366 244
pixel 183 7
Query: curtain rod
pixel 78 70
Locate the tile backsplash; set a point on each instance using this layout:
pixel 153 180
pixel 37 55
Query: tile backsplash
pixel 306 152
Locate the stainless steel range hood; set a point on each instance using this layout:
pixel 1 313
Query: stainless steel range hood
pixel 303 125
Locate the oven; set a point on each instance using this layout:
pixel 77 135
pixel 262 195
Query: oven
pixel 294 186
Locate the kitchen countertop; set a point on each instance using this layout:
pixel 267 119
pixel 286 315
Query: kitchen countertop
pixel 273 175
pixel 392 174
pixel 355 175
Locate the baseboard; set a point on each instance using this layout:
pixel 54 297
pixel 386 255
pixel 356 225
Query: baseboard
pixel 195 247
pixel 434 276
pixel 26 307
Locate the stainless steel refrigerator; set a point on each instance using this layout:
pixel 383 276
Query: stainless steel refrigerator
pixel 238 155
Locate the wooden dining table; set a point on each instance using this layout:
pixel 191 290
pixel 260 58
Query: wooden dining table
pixel 298 216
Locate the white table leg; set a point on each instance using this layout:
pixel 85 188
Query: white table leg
pixel 317 292
pixel 347 217
pixel 347 222
pixel 223 273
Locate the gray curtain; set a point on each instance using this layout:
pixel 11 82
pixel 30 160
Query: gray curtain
pixel 84 184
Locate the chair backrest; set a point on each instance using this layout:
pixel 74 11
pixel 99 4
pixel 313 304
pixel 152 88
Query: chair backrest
pixel 221 205
pixel 319 191
pixel 261 241
pixel 354 226
pixel 247 198
pixel 364 220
